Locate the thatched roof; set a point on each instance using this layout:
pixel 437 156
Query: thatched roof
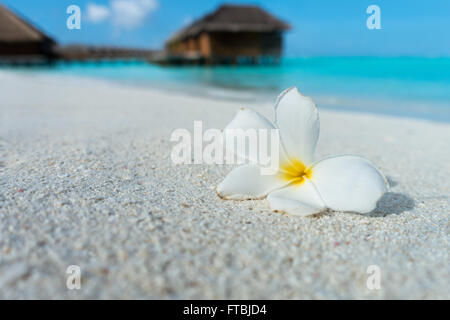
pixel 233 18
pixel 14 28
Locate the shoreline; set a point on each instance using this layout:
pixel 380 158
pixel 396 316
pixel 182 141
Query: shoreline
pixel 86 179
pixel 376 105
pixel 230 106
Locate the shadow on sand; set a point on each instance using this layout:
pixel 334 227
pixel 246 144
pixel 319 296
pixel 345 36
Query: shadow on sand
pixel 392 203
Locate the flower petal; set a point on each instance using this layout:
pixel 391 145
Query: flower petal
pixel 297 118
pixel 245 119
pixel 252 152
pixel 348 183
pixel 297 199
pixel 247 182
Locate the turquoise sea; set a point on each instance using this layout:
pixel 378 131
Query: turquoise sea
pixel 403 86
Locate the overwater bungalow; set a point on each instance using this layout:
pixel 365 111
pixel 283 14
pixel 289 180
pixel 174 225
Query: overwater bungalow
pixel 85 53
pixel 232 34
pixel 21 42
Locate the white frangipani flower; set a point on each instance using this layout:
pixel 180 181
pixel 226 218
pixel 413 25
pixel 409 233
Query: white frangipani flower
pixel 301 186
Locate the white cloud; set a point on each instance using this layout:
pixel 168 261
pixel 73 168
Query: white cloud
pixel 97 13
pixel 123 14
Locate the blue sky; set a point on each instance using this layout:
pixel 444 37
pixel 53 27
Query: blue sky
pixel 320 27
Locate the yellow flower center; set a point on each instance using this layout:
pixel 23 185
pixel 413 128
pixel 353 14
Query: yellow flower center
pixel 295 171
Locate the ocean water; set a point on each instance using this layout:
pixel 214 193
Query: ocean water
pixel 402 86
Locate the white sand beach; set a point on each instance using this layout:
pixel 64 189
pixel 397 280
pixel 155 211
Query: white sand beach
pixel 86 179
